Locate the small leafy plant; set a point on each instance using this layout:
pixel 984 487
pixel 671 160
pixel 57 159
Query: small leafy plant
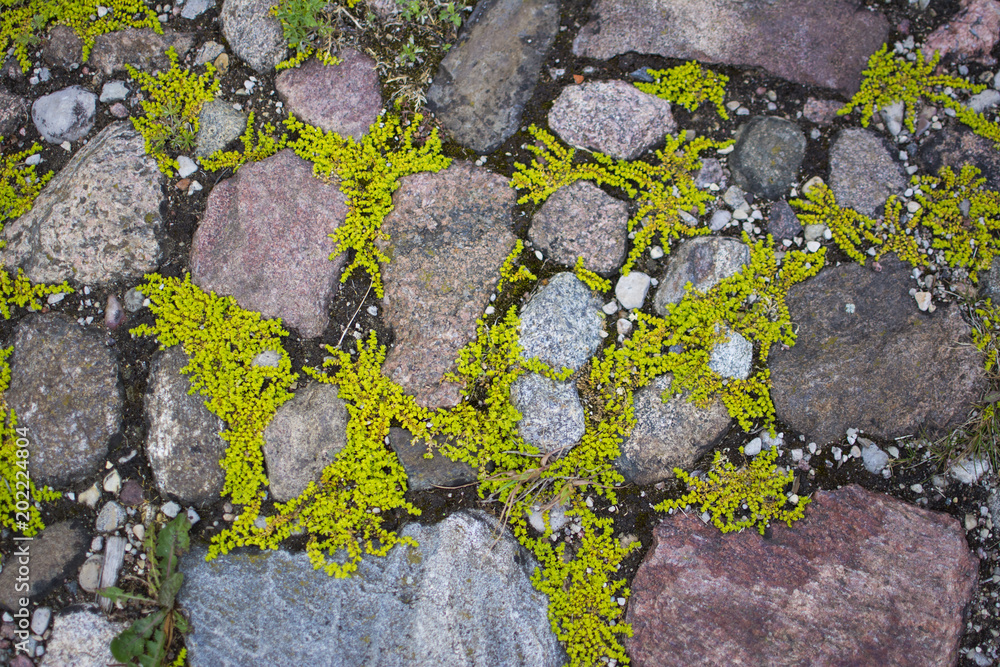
pixel 689 85
pixel 19 184
pixel 148 640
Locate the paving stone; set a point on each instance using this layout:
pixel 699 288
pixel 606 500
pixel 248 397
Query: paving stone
pixel 341 98
pixel 704 262
pixel 821 112
pixel 957 145
pixel 813 42
pixel 766 158
pixel 581 220
pixel 562 325
pixel 482 85
pixel 611 117
pixel 668 434
pixel 81 636
pixel 551 413
pixel 443 600
pixel 264 239
pixel 64 389
pixel 253 34
pixel 62 47
pixel 54 555
pixel 891 578
pixel 460 221
pixel 969 35
pixel 183 444
pixel 218 124
pixel 97 220
pixel 14 111
pixel 65 115
pixel 425 474
pixel 303 438
pixel 863 173
pixel 782 222
pixel 882 366
pixel 139 47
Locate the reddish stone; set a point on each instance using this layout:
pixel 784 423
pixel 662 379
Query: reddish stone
pixel 183 184
pixel 821 112
pixel 449 232
pixel 21 661
pixel 864 579
pixel 264 240
pixel 970 35
pixel 131 493
pixel 340 98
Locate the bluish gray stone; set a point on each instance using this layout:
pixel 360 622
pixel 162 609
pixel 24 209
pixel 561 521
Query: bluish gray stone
pixel 732 358
pixel 551 414
pixel 767 156
pixel 424 474
pixel 461 598
pixel 218 124
pixel 561 325
pixel 65 115
pixel 195 8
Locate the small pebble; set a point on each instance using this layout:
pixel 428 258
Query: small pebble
pixel 171 509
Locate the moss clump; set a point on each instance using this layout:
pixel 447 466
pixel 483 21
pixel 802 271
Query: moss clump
pixel 267 145
pixel 19 497
pixel 590 279
pixel 21 21
pixel 511 271
pixel 369 171
pixel 223 343
pixel 666 192
pixel 689 85
pixel 889 80
pixel 738 498
pixel 173 101
pixel 19 184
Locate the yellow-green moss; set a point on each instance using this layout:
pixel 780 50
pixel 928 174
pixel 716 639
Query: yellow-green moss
pixel 222 341
pixel 508 273
pixel 173 101
pixel 589 278
pixel 662 190
pixel 17 290
pixel 689 85
pixel 267 145
pixel 19 184
pixel 738 498
pixel 21 21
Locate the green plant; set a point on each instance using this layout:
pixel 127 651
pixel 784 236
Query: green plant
pixel 174 100
pixel 148 640
pixel 666 192
pixel 227 348
pixel 19 184
pixel 591 279
pixel 410 53
pixel 308 29
pixel 889 80
pixel 689 85
pixel 738 498
pixel 266 146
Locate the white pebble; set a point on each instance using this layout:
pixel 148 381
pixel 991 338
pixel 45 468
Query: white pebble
pixel 186 166
pixel 812 246
pixel 631 290
pixel 752 448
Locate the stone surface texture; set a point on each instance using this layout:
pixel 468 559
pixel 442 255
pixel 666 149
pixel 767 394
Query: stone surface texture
pixel 97 220
pixel 863 172
pixel 782 222
pixel 886 367
pixel 65 115
pixel 668 434
pixel 482 85
pixel 957 145
pixel 264 239
pixel 821 112
pixel 55 555
pixel 450 233
pixel 62 47
pixel 561 325
pixel 253 34
pixel 611 117
pixel 14 110
pixel 581 220
pixel 341 98
pixel 551 413
pixel 864 579
pixel 64 387
pixel 305 436
pixel 139 47
pixel 822 43
pixel 81 637
pixel 218 124
pixel 703 262
pixel 183 444
pixel 425 474
pixel 767 156
pixel 461 598
pixel 969 35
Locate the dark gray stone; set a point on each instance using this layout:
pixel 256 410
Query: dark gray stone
pixel 63 47
pixel 782 223
pixel 482 85
pixel 64 389
pixel 669 434
pixel 54 555
pixel 551 413
pixel 561 325
pixel 436 604
pixel 425 474
pixel 218 124
pixel 253 34
pixel 957 145
pixel 183 444
pixel 304 437
pixel 98 220
pixel 13 111
pixel 65 115
pixel 863 172
pixel 704 262
pixel 882 366
pixel 767 156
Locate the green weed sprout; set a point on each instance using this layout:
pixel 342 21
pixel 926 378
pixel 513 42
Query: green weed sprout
pixel 689 85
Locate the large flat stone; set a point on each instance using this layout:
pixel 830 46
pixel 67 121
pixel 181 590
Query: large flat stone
pixel 53 556
pixel 449 234
pixel 863 173
pixel 484 82
pixel 864 579
pixel 264 239
pixel 139 47
pixel 813 42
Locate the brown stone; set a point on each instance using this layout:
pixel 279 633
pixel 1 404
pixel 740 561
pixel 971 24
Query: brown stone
pixel 264 239
pixel 13 112
pixel 341 98
pixel 54 555
pixel 864 579
pixel 882 366
pixel 140 48
pixel 449 232
pixel 63 47
pixel 581 220
pixel 813 42
pixel 970 34
pixel 821 112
